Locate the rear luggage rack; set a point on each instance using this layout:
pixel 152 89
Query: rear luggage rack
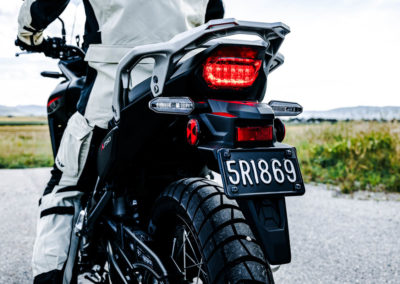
pixel 272 34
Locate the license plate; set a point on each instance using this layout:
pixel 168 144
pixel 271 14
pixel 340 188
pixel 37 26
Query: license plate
pixel 261 171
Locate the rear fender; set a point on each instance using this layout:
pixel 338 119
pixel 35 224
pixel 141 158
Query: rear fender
pixel 268 220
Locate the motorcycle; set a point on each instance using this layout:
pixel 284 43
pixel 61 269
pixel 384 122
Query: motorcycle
pixel 155 214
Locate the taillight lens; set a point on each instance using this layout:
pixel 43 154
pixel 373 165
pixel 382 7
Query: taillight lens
pixel 254 133
pixel 232 67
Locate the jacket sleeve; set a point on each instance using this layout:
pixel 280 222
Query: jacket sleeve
pixel 35 15
pixel 215 10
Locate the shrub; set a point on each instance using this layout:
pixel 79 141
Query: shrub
pixel 353 155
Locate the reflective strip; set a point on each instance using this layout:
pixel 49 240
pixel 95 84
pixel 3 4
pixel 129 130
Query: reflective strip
pixel 60 210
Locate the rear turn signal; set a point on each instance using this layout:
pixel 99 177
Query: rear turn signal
pixel 232 67
pixel 254 133
pixel 172 105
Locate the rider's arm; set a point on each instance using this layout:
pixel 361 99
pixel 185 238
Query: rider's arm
pixel 34 16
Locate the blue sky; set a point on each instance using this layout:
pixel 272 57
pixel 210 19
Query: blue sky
pixel 339 53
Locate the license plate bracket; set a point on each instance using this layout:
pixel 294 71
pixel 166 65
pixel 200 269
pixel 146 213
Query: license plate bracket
pixel 260 172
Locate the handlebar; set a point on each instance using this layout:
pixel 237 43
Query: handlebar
pixel 52 47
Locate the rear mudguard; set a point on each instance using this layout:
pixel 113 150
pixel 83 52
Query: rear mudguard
pixel 268 219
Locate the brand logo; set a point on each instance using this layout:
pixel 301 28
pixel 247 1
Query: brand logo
pixel 108 140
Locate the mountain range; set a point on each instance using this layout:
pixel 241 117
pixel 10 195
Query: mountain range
pixel 354 113
pixel 23 110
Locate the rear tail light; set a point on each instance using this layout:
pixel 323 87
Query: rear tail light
pixel 254 133
pixel 232 67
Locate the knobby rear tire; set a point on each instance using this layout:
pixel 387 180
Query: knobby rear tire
pixel 223 238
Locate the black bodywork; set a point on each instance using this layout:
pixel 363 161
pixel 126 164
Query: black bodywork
pixel 144 151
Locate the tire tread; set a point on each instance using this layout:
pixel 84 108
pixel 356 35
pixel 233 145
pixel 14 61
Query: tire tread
pixel 222 232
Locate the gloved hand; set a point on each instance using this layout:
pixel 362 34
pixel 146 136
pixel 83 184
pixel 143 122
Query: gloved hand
pixel 30 36
pixel 29 39
pixel 33 48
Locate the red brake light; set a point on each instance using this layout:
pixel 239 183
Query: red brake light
pixel 254 133
pixel 232 67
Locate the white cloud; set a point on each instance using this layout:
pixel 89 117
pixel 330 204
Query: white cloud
pixel 20 80
pixel 339 53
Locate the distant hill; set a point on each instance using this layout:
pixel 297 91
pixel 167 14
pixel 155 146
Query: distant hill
pixel 23 110
pixel 355 113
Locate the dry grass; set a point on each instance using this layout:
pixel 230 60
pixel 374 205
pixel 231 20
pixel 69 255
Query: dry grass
pixel 353 155
pixel 23 119
pixel 25 146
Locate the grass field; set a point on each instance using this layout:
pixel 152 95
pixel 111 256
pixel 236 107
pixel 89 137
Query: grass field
pixel 23 146
pixel 353 155
pixel 21 120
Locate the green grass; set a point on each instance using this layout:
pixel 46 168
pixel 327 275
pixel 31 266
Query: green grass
pixel 25 146
pixel 352 155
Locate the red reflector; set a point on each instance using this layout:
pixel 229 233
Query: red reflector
pixel 232 67
pixel 255 133
pixel 192 132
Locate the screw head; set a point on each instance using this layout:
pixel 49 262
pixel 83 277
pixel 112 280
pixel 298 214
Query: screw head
pixel 234 189
pixel 156 89
pixel 288 153
pixel 155 79
pixel 297 186
pixel 227 154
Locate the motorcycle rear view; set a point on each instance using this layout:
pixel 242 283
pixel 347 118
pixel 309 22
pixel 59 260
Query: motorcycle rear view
pixel 199 113
pixel 156 215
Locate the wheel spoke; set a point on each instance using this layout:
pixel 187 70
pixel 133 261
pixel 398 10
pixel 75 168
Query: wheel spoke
pixel 185 257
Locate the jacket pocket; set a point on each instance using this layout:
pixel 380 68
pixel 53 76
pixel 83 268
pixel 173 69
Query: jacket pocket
pixel 74 147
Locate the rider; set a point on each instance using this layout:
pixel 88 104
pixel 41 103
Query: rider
pixel 112 29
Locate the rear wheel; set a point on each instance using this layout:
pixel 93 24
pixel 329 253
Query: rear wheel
pixel 203 237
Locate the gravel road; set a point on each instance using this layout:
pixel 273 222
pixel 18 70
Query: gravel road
pixel 334 240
